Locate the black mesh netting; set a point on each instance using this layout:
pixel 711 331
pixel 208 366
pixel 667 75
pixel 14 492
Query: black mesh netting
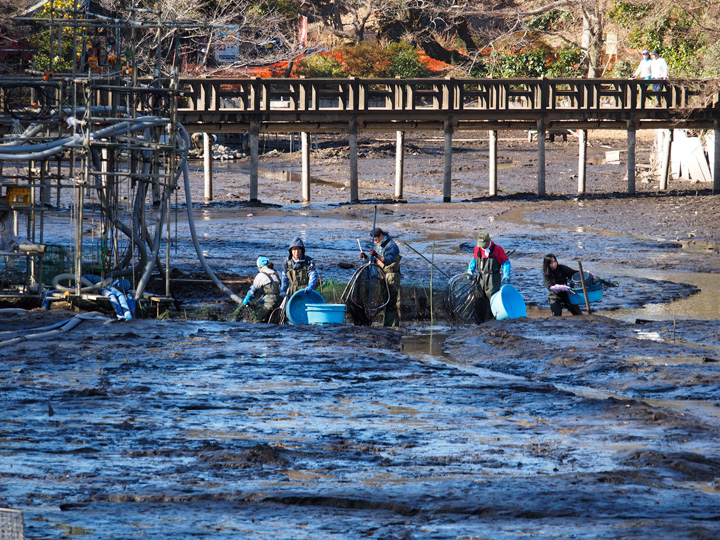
pixel 366 294
pixel 464 298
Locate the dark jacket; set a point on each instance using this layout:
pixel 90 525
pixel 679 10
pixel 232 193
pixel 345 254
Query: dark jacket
pixel 300 273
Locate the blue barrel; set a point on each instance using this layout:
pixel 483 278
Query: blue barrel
pixel 508 303
pixel 325 313
pixel 295 308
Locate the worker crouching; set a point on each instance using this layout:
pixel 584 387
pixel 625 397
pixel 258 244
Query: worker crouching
pixel 265 290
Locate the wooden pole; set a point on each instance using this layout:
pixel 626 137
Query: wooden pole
pixel 631 157
pixel 254 159
pixel 305 179
pixel 447 173
pixel 582 162
pixel 492 163
pixel 352 140
pixel 665 170
pixel 584 288
pixel 541 157
pixel 399 164
pixel 716 159
pixel 207 167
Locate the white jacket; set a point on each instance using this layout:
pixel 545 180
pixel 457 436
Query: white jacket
pixel 659 68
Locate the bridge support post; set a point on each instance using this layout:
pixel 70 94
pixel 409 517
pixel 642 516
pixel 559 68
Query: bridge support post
pixel 665 169
pixel 582 162
pixel 541 157
pixel 305 179
pixel 631 157
pixel 492 164
pixel 399 163
pixel 207 167
pixel 254 144
pixel 716 159
pixel 447 172
pixel 353 161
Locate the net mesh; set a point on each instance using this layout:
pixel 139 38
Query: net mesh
pixel 366 294
pixel 462 298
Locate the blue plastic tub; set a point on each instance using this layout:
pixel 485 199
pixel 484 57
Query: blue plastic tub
pixel 577 297
pixel 295 308
pixel 508 303
pixel 325 313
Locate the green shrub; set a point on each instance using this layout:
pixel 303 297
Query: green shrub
pixel 319 65
pixel 524 64
pixel 567 63
pixel 405 62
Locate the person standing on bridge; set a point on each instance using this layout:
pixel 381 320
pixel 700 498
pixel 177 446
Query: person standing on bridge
pixel 644 69
pixel 493 267
pixel 298 271
pixel 659 70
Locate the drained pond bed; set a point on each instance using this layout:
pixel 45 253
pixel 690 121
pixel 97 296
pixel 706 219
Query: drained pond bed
pixel 219 429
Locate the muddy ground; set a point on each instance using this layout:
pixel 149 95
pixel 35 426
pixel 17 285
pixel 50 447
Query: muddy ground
pixel 599 426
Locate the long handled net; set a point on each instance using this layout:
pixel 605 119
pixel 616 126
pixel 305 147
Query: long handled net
pixel 462 296
pixel 366 294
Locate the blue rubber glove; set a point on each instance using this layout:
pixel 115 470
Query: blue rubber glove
pixel 308 289
pixel 248 296
pixel 505 273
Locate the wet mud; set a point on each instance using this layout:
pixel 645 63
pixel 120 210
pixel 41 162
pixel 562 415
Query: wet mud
pixel 603 425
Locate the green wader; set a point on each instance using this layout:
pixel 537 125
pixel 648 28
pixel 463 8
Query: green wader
pixel 392 278
pixel 298 279
pixel 271 300
pixel 489 281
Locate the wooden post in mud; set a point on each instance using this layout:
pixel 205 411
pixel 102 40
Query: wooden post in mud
pixel 492 163
pixel 447 173
pixel 207 166
pixel 582 161
pixel 584 287
pixel 665 169
pixel 716 158
pixel 305 179
pixel 631 156
pixel 541 157
pixel 399 163
pixel 352 141
pixel 254 143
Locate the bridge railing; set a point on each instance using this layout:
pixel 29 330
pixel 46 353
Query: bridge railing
pixel 407 95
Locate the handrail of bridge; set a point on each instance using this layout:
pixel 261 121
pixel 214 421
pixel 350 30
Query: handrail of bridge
pixel 448 95
pixel 289 100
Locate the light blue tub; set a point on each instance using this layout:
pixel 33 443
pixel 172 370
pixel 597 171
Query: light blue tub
pixel 325 313
pixel 508 303
pixel 577 297
pixel 295 308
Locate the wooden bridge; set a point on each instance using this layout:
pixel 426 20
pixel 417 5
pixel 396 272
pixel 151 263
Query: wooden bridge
pixel 447 105
pixel 305 106
pixel 330 105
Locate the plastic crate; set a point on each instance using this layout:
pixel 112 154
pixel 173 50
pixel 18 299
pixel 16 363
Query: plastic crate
pixel 11 525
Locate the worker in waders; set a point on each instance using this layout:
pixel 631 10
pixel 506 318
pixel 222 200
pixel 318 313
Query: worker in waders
pixel 299 272
pixel 265 290
pixel 556 278
pixel 493 271
pixel 387 256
